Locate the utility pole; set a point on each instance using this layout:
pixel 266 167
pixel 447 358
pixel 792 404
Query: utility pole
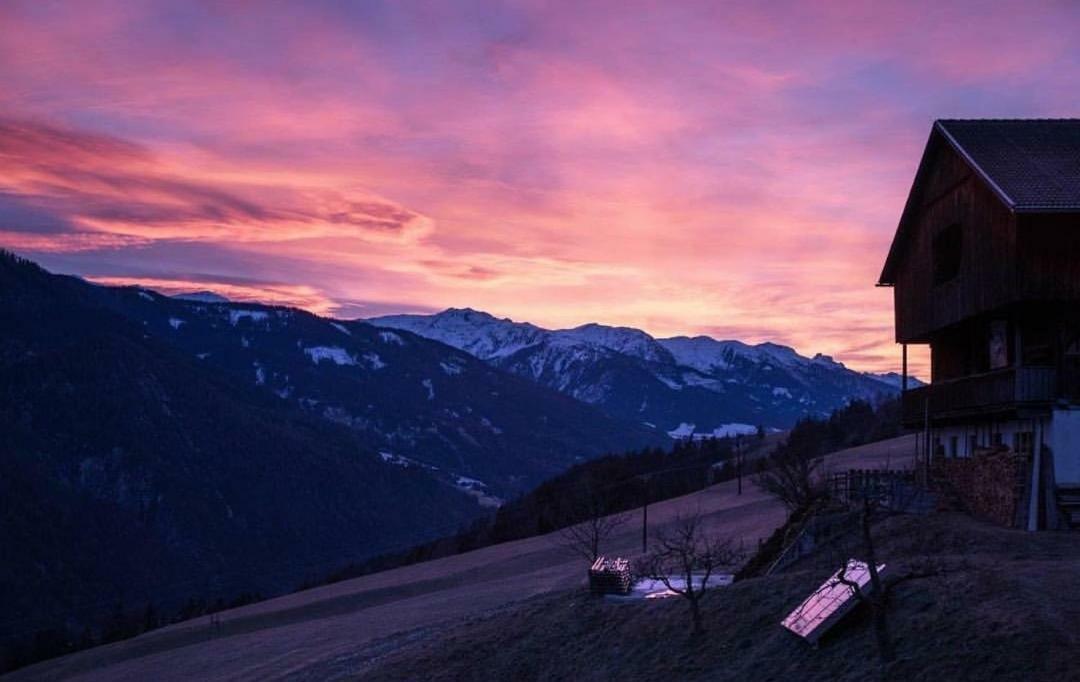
pixel 645 515
pixel 738 461
pixel 903 370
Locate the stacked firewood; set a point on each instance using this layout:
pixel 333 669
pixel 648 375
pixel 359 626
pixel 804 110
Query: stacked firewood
pixel 610 576
pixel 986 482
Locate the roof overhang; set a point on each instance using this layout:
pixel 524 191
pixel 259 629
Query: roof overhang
pixel 888 271
pixel 939 135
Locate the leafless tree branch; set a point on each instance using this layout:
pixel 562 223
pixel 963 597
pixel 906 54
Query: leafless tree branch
pixel 686 552
pixel 790 477
pixel 586 538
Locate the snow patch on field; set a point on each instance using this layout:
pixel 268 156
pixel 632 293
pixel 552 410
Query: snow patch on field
pixel 335 354
pixel 148 297
pixel 341 328
pixel 734 429
pixel 391 458
pixel 450 368
pixel 426 383
pixel 374 361
pixel 260 374
pixel 685 430
pixel 391 338
pixel 402 461
pixel 175 322
pixel 478 489
pixel 648 588
pixel 780 391
pixel 254 315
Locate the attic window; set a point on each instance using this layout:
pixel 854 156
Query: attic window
pixel 947 253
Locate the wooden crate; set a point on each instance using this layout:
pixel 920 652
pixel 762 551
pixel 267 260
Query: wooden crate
pixel 610 576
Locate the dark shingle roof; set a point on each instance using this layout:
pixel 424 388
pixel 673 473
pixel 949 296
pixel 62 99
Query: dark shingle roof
pixel 1033 165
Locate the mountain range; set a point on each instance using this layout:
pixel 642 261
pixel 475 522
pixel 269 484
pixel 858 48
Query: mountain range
pixel 680 385
pixel 156 448
pixel 417 402
pixel 189 445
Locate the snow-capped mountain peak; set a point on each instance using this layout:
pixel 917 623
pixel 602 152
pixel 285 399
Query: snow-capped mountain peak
pixel 707 354
pixel 663 382
pixel 626 340
pixel 473 331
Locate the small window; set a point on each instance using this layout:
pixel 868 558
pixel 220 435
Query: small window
pixel 973 443
pixel 947 249
pixel 954 446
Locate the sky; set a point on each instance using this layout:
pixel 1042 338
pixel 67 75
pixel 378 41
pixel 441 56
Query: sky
pixel 721 168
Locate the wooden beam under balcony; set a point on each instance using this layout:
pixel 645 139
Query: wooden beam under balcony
pixel 1004 391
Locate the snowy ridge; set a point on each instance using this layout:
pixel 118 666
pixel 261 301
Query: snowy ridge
pixel 472 331
pixel 700 382
pixel 335 354
pixel 633 342
pixel 201 297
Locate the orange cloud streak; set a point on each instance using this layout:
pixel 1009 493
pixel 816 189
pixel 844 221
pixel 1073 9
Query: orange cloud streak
pixel 734 169
pixel 296 296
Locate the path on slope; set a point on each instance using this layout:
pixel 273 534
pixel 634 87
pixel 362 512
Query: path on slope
pixel 286 636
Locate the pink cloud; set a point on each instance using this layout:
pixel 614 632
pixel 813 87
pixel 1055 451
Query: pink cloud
pixel 297 296
pixel 682 167
pixel 105 185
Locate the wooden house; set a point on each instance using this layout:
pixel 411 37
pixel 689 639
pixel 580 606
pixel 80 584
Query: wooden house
pixel 985 269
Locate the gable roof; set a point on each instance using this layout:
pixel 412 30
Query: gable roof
pixel 1032 165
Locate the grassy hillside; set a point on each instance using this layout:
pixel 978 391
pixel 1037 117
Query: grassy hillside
pixel 1007 612
pixel 614 483
pixel 339 631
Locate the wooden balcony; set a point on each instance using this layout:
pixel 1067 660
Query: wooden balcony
pixel 1002 391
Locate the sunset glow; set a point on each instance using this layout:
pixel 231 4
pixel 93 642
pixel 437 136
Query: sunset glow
pixel 712 168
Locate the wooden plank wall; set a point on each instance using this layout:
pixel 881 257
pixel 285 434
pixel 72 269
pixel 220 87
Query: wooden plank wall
pixel 1048 256
pixel 953 193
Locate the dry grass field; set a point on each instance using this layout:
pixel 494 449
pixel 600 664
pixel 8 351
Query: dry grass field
pixel 339 629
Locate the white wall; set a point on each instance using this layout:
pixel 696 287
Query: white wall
pixel 982 433
pixel 1063 437
pixel 1062 434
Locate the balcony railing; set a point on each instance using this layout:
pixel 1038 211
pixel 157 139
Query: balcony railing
pixel 997 391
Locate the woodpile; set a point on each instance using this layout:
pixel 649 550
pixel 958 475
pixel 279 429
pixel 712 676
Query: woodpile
pixel 610 576
pixel 986 482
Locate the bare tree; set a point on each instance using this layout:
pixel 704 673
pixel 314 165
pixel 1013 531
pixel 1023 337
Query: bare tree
pixel 881 587
pixel 586 537
pixel 791 477
pixel 684 558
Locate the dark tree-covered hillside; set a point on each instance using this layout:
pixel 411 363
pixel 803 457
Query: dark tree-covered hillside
pixel 134 478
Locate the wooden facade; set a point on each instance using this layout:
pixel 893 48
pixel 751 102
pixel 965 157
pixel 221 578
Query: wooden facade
pixel 992 286
pixel 953 196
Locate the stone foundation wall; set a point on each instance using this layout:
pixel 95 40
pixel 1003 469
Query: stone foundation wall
pixel 988 483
